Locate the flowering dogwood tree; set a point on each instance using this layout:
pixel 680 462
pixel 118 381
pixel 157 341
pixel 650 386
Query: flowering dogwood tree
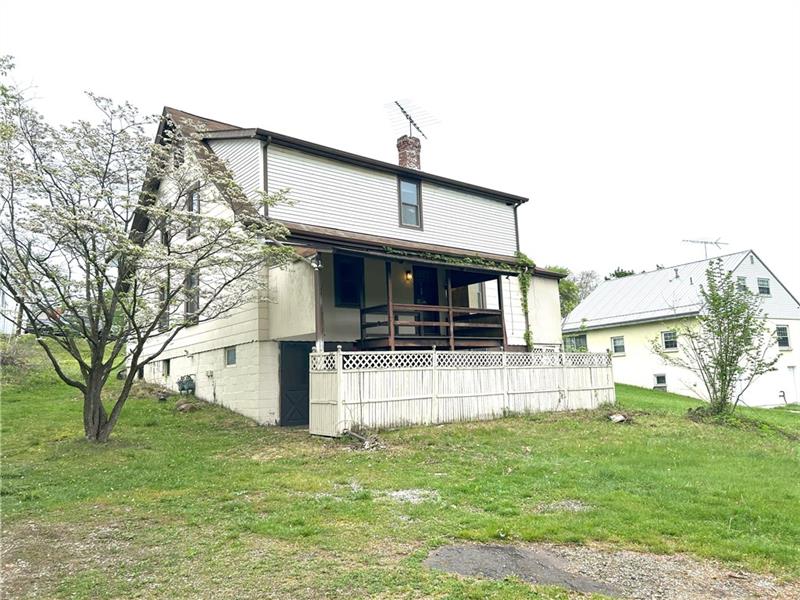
pixel 107 242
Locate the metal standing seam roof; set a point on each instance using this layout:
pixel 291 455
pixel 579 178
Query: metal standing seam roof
pixel 662 294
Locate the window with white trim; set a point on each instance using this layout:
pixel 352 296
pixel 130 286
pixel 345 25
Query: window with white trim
pixel 193 206
pixel 741 284
pixel 782 334
pixel 618 344
pixel 230 356
pixel 660 381
pixel 763 286
pixel 408 191
pixel 575 343
pixel 669 340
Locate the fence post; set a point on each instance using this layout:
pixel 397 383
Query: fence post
pixel 339 409
pixel 506 407
pixel 563 393
pixel 434 383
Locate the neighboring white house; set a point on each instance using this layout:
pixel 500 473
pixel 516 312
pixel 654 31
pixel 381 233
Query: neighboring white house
pixel 393 258
pixel 623 316
pixel 8 313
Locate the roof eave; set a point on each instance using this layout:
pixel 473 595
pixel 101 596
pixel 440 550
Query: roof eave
pixel 362 161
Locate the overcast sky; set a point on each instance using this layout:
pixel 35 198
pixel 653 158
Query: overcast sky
pixel 630 125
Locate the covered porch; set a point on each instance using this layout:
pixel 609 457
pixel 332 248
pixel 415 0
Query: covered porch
pixel 448 310
pixel 371 300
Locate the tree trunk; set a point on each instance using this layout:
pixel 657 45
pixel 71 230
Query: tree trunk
pixel 95 418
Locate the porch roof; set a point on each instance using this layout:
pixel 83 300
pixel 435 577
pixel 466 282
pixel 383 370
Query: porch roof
pixel 457 259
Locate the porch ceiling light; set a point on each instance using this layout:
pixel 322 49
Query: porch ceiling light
pixel 409 276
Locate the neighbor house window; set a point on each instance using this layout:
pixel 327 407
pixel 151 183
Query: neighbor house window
pixel 230 356
pixel 669 340
pixel 193 206
pixel 661 382
pixel 575 343
pixel 782 333
pixel 410 205
pixel 348 280
pixel 165 368
pixel 618 345
pixel 763 286
pixel 191 304
pixel 741 284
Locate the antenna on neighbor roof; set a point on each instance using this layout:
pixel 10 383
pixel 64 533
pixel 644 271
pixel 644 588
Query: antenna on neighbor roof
pixel 400 113
pixel 707 243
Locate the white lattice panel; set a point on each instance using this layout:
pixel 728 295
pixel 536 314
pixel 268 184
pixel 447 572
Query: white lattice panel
pixel 586 359
pixel 363 361
pixel 325 361
pixel 469 360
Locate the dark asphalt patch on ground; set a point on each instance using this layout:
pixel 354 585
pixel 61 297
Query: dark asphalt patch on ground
pixel 540 567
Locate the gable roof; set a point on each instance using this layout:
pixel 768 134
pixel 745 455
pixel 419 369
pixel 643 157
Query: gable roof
pixel 666 293
pixel 212 129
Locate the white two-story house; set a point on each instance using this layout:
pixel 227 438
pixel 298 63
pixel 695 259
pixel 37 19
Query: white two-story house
pixel 393 258
pixel 625 316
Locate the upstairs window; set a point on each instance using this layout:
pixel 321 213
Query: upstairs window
pixel 618 345
pixel 410 205
pixel 782 333
pixel 669 340
pixel 741 284
pixel 348 280
pixel 763 286
pixel 193 206
pixel 192 294
pixel 575 343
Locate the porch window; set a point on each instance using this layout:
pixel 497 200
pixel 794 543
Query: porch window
pixel 348 280
pixel 575 343
pixel 669 340
pixel 410 206
pixel 782 333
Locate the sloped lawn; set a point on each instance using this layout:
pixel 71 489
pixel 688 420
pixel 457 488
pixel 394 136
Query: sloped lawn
pixel 205 504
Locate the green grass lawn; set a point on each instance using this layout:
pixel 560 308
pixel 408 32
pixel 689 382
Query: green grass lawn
pixel 205 504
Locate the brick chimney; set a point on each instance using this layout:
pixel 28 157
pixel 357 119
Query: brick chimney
pixel 408 148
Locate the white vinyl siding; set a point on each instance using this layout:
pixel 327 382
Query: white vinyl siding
pixel 329 193
pixel 244 159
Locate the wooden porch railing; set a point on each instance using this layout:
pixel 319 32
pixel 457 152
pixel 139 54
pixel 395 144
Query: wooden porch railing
pixel 406 325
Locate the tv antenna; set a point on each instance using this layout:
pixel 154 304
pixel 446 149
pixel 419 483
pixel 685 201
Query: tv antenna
pixel 420 119
pixel 707 243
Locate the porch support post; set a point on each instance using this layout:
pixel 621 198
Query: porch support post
pixel 390 304
pixel 502 312
pixel 319 327
pixel 450 312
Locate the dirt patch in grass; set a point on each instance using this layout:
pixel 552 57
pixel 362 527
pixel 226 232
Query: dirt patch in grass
pixel 36 556
pixel 617 573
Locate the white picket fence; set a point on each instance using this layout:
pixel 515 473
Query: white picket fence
pixel 379 390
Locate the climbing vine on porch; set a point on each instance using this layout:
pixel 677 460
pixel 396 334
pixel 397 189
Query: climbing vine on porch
pixel 525 266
